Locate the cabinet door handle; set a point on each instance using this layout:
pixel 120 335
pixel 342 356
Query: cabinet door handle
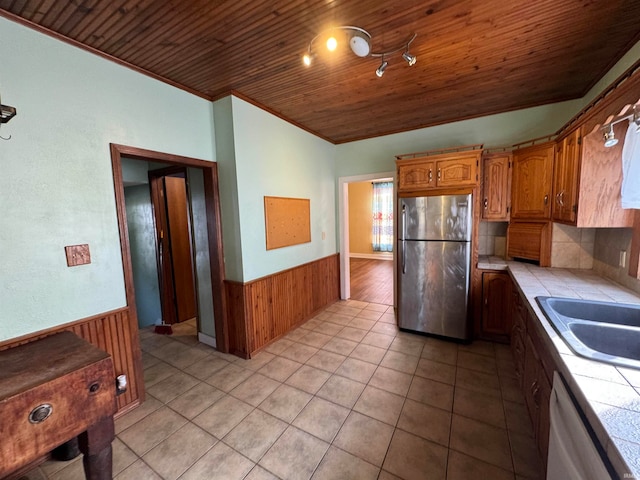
pixel 486 203
pixel 561 198
pixel 430 175
pixel 546 199
pixel 439 174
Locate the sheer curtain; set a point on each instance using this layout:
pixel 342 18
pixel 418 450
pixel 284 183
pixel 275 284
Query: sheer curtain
pixel 382 233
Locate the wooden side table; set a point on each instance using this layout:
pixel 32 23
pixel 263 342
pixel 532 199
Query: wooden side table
pixel 52 390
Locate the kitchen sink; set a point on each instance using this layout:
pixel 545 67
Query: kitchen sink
pixel 603 331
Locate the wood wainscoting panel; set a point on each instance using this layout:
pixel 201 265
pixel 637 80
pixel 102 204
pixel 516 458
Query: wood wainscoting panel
pixel 114 333
pixel 265 309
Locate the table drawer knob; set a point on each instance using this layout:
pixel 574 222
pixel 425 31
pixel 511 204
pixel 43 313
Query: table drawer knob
pixel 40 413
pixel 94 387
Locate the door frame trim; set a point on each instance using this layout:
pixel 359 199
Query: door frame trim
pixel 214 229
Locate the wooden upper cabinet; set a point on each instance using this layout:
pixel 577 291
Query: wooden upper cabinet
pixel 565 178
pixel 531 182
pixel 444 170
pixel 496 186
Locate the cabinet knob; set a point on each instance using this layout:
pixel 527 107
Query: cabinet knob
pixel 439 174
pixel 430 175
pixel 546 199
pixel 486 203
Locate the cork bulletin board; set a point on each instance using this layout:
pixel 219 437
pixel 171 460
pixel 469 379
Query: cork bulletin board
pixel 287 221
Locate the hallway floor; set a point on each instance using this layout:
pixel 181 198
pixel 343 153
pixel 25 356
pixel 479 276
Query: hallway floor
pixel 344 396
pixel 371 280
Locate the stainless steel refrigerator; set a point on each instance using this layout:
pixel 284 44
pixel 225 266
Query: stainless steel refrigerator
pixel 434 261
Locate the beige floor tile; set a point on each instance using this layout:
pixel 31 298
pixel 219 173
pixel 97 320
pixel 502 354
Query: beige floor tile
pixel 480 440
pixel 149 360
pixel 464 467
pixel 229 377
pixel 400 361
pixel 408 346
pixel 321 418
pixel 151 430
pixel 285 402
pixel 357 370
pixel 169 388
pixel 377 339
pixel 122 456
pixel 478 382
pixel 440 372
pixel 479 406
pixel 511 390
pixel 390 329
pixel 172 457
pixel 388 476
pixel 325 360
pixel 259 473
pixel 149 406
pixel 257 362
pixel 379 404
pixel 52 466
pixel 299 353
pixel 378 307
pixel 477 362
pixel 280 368
pixel 428 422
pixel 295 455
pixel 152 342
pixel 339 319
pixel 362 323
pixel 195 401
pixel 72 471
pixel 479 347
pixel 255 434
pixel 340 346
pixel 517 417
pixel 206 367
pixel 315 339
pixel 353 334
pixel 220 463
pixel 138 471
pixel 364 437
pixel 432 393
pixel 340 464
pixel 352 311
pixel 223 416
pixel 440 351
pixel 340 390
pixel 157 373
pixel 179 355
pixel 296 335
pixel 413 458
pixel 34 474
pixel 255 389
pixel 278 346
pixel 308 379
pixel 327 328
pixel 526 460
pixel 368 353
pixel 369 314
pixel 388 317
pixel 391 380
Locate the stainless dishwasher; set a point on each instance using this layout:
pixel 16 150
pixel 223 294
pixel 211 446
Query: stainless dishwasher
pixel 573 453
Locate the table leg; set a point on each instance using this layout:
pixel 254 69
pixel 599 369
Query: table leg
pixel 95 444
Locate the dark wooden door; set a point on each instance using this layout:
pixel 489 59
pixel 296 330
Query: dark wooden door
pixel 175 256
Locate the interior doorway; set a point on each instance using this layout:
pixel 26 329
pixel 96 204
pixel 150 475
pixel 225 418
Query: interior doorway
pixel 209 235
pixel 366 276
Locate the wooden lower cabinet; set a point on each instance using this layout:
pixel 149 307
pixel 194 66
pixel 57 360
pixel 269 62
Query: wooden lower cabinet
pixel 533 363
pixel 496 306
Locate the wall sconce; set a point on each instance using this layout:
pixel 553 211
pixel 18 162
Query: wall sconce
pixel 609 136
pixel 359 41
pixel 6 114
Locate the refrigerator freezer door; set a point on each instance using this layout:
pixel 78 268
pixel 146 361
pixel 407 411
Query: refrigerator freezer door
pixel 434 287
pixel 445 217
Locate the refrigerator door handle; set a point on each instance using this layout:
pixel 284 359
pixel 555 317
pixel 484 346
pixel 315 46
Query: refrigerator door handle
pixel 404 236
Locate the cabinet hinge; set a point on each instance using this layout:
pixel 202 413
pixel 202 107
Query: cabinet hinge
pixel 509 164
pixel 508 209
pixel 575 209
pixel 580 140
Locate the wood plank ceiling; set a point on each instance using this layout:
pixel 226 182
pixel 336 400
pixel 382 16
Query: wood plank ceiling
pixel 475 57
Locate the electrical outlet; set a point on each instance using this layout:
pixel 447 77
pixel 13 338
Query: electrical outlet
pixel 77 255
pixel 623 258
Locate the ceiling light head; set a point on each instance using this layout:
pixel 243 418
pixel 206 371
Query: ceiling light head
pixel 307 59
pixel 410 59
pixel 360 44
pixel 332 43
pixel 382 68
pixel 610 137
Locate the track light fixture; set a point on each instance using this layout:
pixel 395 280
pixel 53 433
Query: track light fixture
pixel 359 41
pixel 634 121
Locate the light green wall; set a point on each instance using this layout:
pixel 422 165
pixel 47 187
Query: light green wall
pixel 276 158
pixel 56 186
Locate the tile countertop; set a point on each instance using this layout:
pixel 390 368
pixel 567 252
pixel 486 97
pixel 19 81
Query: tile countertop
pixel 608 395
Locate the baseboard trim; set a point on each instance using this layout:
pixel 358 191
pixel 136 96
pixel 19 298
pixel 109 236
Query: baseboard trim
pixel 207 340
pixel 373 256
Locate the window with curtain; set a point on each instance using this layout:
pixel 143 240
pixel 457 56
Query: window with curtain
pixel 382 231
